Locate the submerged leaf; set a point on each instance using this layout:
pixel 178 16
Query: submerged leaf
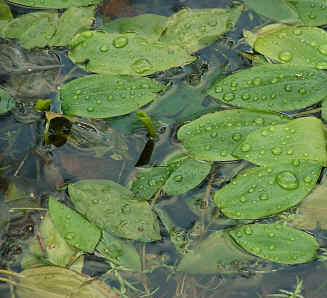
pixel 115 209
pixel 129 53
pixel 6 101
pixel 285 142
pixel 215 136
pixel 264 191
pixel 104 96
pixel 277 243
pixel 55 3
pixel 272 87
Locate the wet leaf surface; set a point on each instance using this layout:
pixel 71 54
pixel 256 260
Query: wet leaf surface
pixel 5 12
pixel 55 3
pixel 6 101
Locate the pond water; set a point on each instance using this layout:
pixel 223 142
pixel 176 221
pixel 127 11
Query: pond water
pixel 30 170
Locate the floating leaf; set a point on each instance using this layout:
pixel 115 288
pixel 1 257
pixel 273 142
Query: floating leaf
pixel 285 142
pixel 104 96
pixel 215 254
pixel 215 136
pixel 113 53
pixel 75 229
pixel 119 252
pixel 306 46
pixel 194 29
pixel 58 282
pixel 114 208
pixel 5 12
pixel 276 243
pixel 55 3
pixel 272 87
pixel 150 25
pixel 6 101
pixel 264 191
pixel 324 109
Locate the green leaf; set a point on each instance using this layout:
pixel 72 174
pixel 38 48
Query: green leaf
pixel 150 25
pixel 302 138
pixel 311 12
pixel 6 101
pixel 5 12
pixel 264 191
pixel 306 46
pixel 75 229
pixel 55 3
pixel 276 243
pixel 119 252
pixel 194 29
pixel 58 282
pixel 215 136
pixel 277 10
pixel 113 53
pixel 72 21
pixel 104 96
pixel 272 87
pixel 324 109
pixel 215 254
pixel 114 209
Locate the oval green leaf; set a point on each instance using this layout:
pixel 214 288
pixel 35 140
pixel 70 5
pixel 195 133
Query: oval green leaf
pixel 6 101
pixel 276 243
pixel 302 138
pixel 115 209
pixel 272 87
pixel 55 3
pixel 113 53
pixel 306 46
pixel 74 228
pixel 104 96
pixel 264 191
pixel 5 12
pixel 215 136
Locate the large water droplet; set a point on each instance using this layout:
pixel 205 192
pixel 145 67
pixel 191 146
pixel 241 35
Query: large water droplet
pixel 285 56
pixel 245 147
pixel 69 236
pixel 178 178
pixel 248 231
pixel 276 150
pixel 104 48
pixel 287 180
pixel 120 42
pixel 263 197
pixel 142 65
pixel 236 137
pixel 90 109
pixel 228 96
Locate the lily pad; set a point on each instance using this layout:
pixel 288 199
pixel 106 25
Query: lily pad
pixel 6 101
pixel 129 53
pixel 276 243
pixel 115 209
pixel 264 191
pixel 119 252
pixel 194 29
pixel 215 136
pixel 272 87
pixel 305 46
pixel 104 96
pixel 75 229
pixel 150 25
pixel 55 3
pixel 215 254
pixel 58 282
pixel 302 138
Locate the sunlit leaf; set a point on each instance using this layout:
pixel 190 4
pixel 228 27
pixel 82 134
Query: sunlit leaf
pixel 324 109
pixel 264 191
pixel 302 138
pixel 150 25
pixel 6 101
pixel 55 3
pixel 5 12
pixel 104 96
pixel 215 136
pixel 75 229
pixel 276 242
pixel 194 29
pixel 306 46
pixel 129 53
pixel 58 282
pixel 119 252
pixel 272 87
pixel 115 209
pixel 215 254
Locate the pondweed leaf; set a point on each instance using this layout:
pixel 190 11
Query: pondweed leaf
pixel 264 191
pixel 302 138
pixel 5 12
pixel 272 87
pixel 55 3
pixel 6 101
pixel 149 25
pixel 276 243
pixel 194 29
pixel 115 209
pixel 129 53
pixel 58 282
pixel 215 136
pixel 324 109
pixel 74 228
pixel 305 46
pixel 215 254
pixel 119 252
pixel 104 96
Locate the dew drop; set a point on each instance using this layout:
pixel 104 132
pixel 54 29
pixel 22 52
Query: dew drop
pixel 245 147
pixel 302 91
pixel 104 48
pixel 214 134
pixel 69 236
pixel 248 231
pixel 288 88
pixel 242 199
pixel 272 247
pixel 323 49
pixel 257 82
pixel 287 180
pixel 307 179
pixel 218 89
pixel 285 56
pixel 90 109
pixel 228 96
pixel 141 66
pixel 120 42
pixel 263 197
pixel 246 96
pixel 321 65
pixel 178 178
pixel 236 137
pixel 297 32
pixel 276 150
